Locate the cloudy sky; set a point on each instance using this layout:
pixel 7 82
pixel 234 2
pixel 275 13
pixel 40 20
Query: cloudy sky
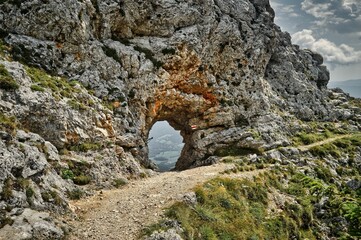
pixel 330 27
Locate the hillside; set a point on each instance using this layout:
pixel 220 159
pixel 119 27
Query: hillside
pixel 82 83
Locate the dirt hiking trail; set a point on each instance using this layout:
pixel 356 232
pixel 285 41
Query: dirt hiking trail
pixel 328 140
pixel 122 213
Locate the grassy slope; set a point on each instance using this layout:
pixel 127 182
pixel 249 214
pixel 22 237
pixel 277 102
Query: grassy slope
pixel 285 202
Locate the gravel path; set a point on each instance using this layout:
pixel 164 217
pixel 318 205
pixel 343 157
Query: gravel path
pixel 328 140
pixel 122 213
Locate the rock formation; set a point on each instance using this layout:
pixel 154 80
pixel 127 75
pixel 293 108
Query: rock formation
pixel 113 68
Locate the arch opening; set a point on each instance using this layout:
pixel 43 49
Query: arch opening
pixel 165 145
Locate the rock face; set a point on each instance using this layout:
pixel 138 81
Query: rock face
pixel 222 66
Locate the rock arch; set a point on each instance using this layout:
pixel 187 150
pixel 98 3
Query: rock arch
pixel 183 101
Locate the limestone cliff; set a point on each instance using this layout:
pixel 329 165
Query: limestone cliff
pixel 115 67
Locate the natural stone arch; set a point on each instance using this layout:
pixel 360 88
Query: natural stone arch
pixel 183 100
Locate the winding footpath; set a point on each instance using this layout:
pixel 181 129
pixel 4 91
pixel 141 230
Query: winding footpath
pixel 328 140
pixel 123 213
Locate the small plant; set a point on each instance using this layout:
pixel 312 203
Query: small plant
pixel 7 192
pixel 77 105
pixel 29 192
pixel 7 81
pixel 67 174
pixel 5 220
pixel 8 124
pixel 142 175
pixel 81 180
pixel 119 182
pixel 37 88
pixel 52 196
pixel 75 194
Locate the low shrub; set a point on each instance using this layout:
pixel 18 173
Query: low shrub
pixel 37 88
pixel 7 81
pixel 119 182
pixel 81 180
pixel 75 194
pixel 8 124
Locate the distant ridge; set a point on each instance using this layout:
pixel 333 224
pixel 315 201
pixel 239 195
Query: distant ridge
pixel 353 87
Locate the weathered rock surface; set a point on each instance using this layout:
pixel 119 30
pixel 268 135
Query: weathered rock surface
pixel 216 65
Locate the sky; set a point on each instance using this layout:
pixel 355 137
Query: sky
pixel 329 27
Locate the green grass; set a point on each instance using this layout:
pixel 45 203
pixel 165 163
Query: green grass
pixel 7 82
pixel 236 209
pixel 8 124
pixel 239 209
pixel 119 182
pixel 77 172
pixel 37 88
pixel 304 138
pixel 75 194
pixel 82 179
pixel 52 196
pixel 60 88
pixel 339 147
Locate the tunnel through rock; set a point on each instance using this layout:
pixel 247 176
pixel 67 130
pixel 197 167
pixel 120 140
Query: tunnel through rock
pixel 165 145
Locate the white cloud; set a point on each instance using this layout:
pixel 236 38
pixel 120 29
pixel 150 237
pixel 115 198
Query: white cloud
pixel 282 9
pixel 333 53
pixel 318 10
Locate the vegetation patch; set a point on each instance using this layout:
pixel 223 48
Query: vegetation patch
pixel 7 191
pixel 77 172
pixel 119 182
pixel 241 209
pixel 304 138
pixel 7 82
pixel 8 124
pixel 236 209
pixel 347 145
pixel 52 196
pixel 60 88
pixel 4 49
pixel 75 194
pixel 4 220
pixel 37 88
pixel 168 51
pixel 81 180
pixel 317 132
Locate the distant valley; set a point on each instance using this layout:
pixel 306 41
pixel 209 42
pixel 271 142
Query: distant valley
pixel 165 145
pixel 353 87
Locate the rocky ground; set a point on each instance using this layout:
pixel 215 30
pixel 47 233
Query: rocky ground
pixel 123 213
